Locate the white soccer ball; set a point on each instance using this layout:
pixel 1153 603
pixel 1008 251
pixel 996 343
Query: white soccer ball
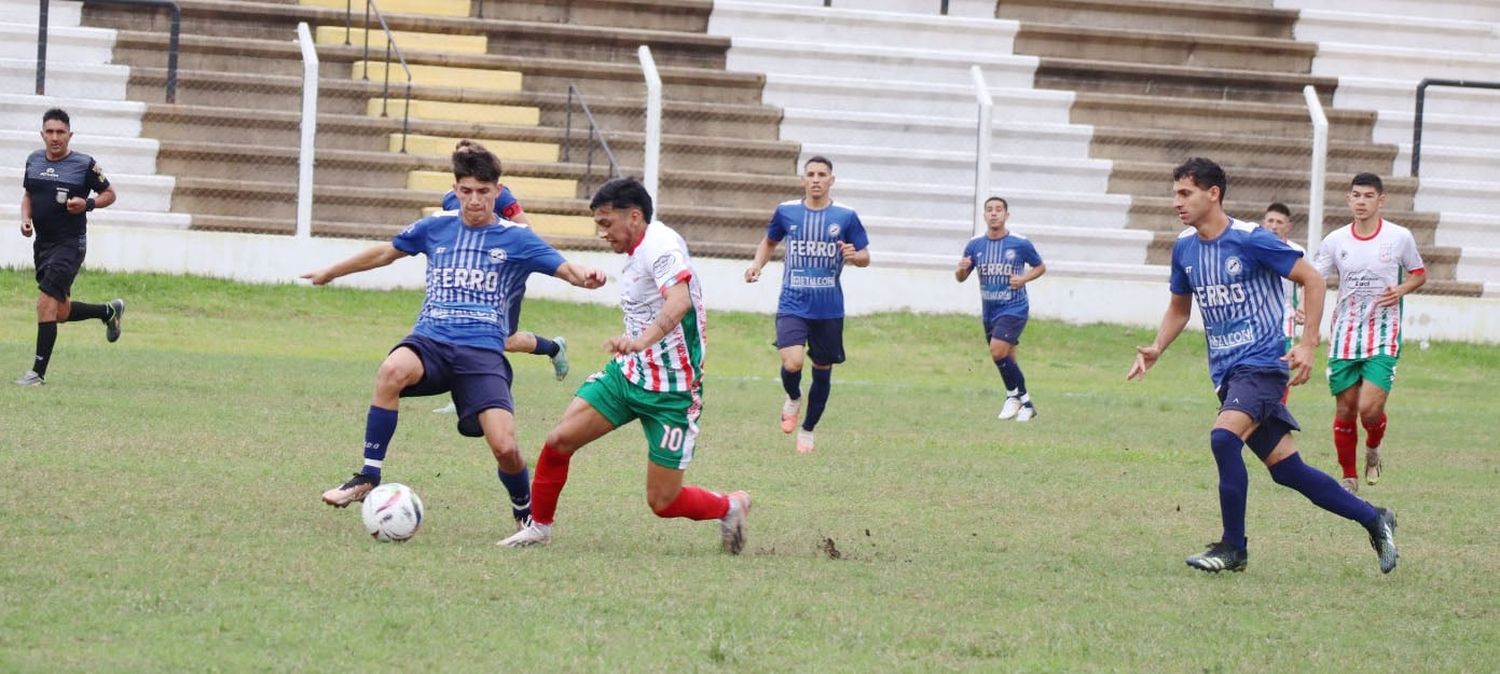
pixel 392 512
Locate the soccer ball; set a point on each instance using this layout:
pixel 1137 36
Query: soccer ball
pixel 392 512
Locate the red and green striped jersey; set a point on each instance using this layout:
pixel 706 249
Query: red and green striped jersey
pixel 658 262
pixel 1366 267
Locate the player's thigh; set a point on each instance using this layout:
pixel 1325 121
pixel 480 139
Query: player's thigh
pixel 57 266
pixel 580 425
pixel 1345 374
pixel 825 341
pixel 601 405
pixel 1007 329
pixel 401 368
pixel 1378 372
pixel 793 358
pixel 1236 422
pixel 670 422
pixel 791 337
pixel 1372 399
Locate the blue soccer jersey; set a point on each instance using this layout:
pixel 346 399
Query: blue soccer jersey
pixel 506 205
pixel 810 286
pixel 1236 279
pixel 996 260
pixel 472 274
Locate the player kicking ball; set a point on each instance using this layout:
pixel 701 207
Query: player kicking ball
pixel 656 376
pixel 1234 270
pixel 1002 259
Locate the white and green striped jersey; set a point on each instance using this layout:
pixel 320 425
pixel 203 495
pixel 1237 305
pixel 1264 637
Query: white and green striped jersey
pixel 1366 266
pixel 1291 300
pixel 658 262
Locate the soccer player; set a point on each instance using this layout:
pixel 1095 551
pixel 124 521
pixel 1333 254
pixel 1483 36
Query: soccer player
pixel 656 376
pixel 1278 219
pixel 1234 269
pixel 1378 264
pixel 821 236
pixel 1002 259
pixel 54 206
pixel 474 258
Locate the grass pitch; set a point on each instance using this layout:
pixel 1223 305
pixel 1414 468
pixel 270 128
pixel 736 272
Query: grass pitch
pixel 159 509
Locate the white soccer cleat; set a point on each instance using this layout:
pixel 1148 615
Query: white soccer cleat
pixel 532 534
pixel 789 411
pixel 1350 484
pixel 1010 408
pixel 1373 465
pixel 804 442
pixel 732 525
pixel 1026 413
pixel 450 408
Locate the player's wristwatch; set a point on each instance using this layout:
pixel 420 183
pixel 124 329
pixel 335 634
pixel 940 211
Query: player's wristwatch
pixel 88 204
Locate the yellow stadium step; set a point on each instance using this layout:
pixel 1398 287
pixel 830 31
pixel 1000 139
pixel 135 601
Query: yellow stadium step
pixel 507 150
pixel 442 76
pixel 428 7
pixel 408 42
pixel 548 224
pixel 521 186
pixel 479 113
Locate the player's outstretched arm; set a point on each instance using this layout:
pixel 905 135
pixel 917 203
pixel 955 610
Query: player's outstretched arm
pixel 378 255
pixel 762 256
pixel 1179 310
pixel 1314 290
pixel 582 276
pixel 678 302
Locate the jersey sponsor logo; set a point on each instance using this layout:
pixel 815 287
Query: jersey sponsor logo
pixel 995 295
pixel 802 248
pixel 1242 336
pixel 997 269
pixel 49 173
pixel 1219 295
pixel 1233 266
pixel 440 250
pixel 1188 269
pixel 663 265
pixel 813 278
pixel 1363 285
pixel 497 255
pixel 463 277
pixel 833 230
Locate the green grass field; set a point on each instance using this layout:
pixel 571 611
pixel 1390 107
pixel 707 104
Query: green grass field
pixel 159 509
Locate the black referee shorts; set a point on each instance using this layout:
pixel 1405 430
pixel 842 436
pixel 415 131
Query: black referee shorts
pixel 57 264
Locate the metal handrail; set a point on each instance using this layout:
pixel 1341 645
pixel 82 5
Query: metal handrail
pixel 172 46
pixel 595 137
pixel 390 44
pixel 942 6
pixel 1416 132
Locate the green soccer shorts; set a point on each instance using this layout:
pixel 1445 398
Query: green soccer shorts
pixel 669 418
pixel 1345 372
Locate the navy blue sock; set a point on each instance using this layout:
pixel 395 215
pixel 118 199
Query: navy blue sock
pixel 380 425
pixel 544 347
pixel 519 487
pixel 817 397
pixel 1010 371
pixel 1234 484
pixel 792 382
pixel 1322 490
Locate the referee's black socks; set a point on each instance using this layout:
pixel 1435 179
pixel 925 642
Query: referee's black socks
pixel 81 311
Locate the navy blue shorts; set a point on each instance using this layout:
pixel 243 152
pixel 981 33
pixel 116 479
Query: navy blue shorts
pixel 1257 393
pixel 824 337
pixel 57 265
pixel 478 379
pixel 1006 329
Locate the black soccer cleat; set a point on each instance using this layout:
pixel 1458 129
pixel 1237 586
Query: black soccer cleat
pixel 112 324
pixel 1383 539
pixel 1218 557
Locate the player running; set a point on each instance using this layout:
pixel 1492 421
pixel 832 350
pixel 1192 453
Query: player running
pixel 1234 270
pixel 1002 259
pixel 821 236
pixel 1377 264
pixel 474 260
pixel 656 376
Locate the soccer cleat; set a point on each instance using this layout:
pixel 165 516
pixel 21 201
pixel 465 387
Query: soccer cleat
pixel 450 408
pixel 1027 413
pixel 732 525
pixel 1218 557
pixel 789 411
pixel 523 521
pixel 560 361
pixel 31 378
pixel 112 324
pixel 804 442
pixel 1383 538
pixel 1010 408
pixel 1373 465
pixel 353 490
pixel 1350 484
pixel 531 534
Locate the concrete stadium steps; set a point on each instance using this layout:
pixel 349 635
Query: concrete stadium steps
pixel 120 217
pixel 913 98
pixel 114 154
pixel 1470 10
pixel 433 7
pixel 1151 79
pixel 1074 41
pixel 61 14
pixel 148 193
pixel 1469 231
pixel 1421 31
pixel 1025 172
pixel 853 22
pixel 875 62
pixel 687 16
pixel 437 76
pixel 64 79
pixel 1409 63
pixel 533 187
pixel 407 41
pixel 1166 16
pixel 1074 244
pixel 98 118
pixel 1242 117
pixel 65 44
pixel 1234 150
pixel 955 203
pixel 941 134
pixel 476 113
pixel 981 9
pixel 1261 185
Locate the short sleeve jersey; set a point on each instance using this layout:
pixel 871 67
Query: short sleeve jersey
pixel 506 206
pixel 658 262
pixel 1366 267
pixel 810 285
pixel 1236 280
pixel 1291 300
pixel 51 184
pixel 472 272
pixel 996 260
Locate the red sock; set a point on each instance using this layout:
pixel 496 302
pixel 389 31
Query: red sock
pixel 1375 432
pixel 551 475
pixel 694 503
pixel 1345 437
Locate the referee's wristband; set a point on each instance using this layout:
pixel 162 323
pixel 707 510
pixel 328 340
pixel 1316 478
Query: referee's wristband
pixel 88 204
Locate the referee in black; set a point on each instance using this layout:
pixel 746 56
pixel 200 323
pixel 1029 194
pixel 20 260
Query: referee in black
pixel 55 205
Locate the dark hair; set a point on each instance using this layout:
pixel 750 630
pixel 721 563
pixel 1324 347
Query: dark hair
pixel 623 194
pixel 467 145
pixel 479 164
pixel 1205 174
pixel 58 114
pixel 1368 180
pixel 1002 201
pixel 1278 207
pixel 818 159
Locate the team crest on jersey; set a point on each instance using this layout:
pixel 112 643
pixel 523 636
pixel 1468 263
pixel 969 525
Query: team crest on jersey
pixel 833 230
pixel 1387 251
pixel 1232 265
pixel 497 255
pixel 1010 254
